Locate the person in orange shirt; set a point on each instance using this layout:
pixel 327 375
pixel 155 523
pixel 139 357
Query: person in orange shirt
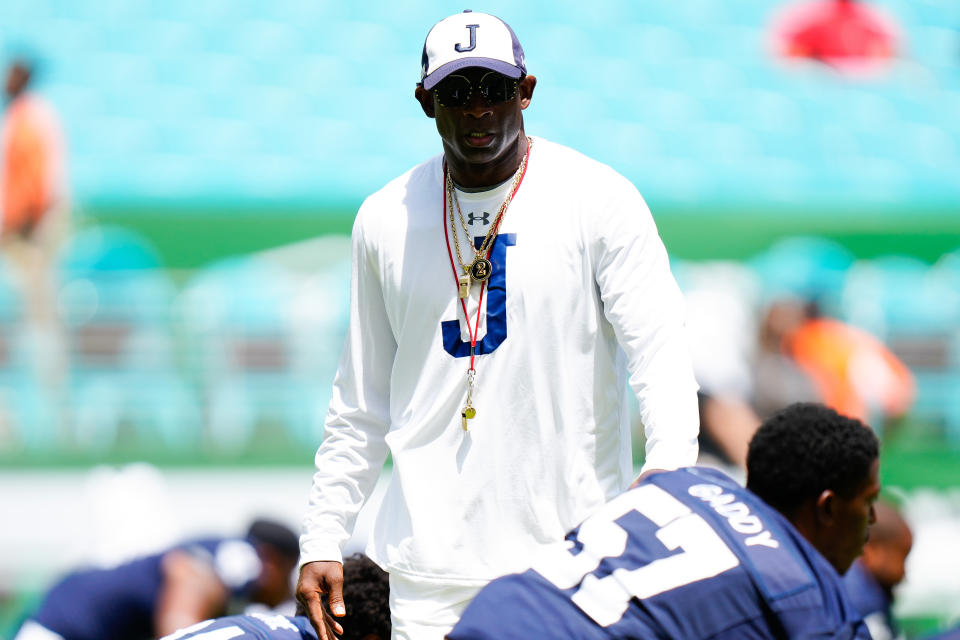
pixel 854 372
pixel 32 159
pixel 810 357
pixel 33 213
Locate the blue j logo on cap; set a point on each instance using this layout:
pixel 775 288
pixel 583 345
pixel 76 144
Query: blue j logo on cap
pixel 459 48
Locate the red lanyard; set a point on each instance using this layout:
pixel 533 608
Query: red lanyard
pixel 456 276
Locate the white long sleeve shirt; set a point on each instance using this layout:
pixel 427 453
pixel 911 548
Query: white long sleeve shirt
pixel 581 296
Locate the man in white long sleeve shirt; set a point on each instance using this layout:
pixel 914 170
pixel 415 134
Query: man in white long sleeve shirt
pixel 501 294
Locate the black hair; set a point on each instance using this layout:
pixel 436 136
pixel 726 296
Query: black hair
pixel 366 590
pixel 275 535
pixel 805 449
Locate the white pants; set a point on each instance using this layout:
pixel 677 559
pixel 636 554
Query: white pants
pixel 33 631
pixel 422 609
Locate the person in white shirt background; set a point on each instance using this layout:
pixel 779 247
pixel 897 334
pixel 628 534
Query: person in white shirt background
pixel 502 295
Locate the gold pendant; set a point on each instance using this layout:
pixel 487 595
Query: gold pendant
pixel 463 283
pixel 481 269
pixel 467 414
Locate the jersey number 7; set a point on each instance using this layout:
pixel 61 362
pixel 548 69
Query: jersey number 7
pixel 605 595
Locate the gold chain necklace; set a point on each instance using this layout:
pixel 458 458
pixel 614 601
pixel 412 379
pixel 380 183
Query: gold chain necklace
pixel 449 198
pixel 480 268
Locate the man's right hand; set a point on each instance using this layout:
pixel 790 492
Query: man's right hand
pixel 316 579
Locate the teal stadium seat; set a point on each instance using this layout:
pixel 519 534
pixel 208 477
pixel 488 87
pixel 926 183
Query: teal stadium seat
pixel 225 51
pixel 238 319
pixel 805 267
pixel 115 300
pixel 285 67
pixel 28 407
pixel 899 295
pixel 915 309
pixel 947 268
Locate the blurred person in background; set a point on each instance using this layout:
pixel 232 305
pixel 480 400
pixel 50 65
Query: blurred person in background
pixel 720 326
pixel 691 554
pixel 804 354
pixel 155 595
pixel 366 587
pixel 523 266
pixel 778 379
pixel 33 211
pixel 848 35
pixel 726 425
pixel 882 567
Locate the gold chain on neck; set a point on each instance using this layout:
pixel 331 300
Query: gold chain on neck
pixel 455 204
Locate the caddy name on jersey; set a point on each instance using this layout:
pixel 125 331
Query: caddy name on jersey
pixel 736 513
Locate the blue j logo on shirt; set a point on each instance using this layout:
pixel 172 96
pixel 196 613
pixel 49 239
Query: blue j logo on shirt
pixel 473 40
pixel 496 305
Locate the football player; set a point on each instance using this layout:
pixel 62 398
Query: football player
pixel 368 617
pixel 157 594
pixel 691 554
pixel 871 579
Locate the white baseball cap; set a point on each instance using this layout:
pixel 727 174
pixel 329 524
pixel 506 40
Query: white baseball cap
pixel 470 39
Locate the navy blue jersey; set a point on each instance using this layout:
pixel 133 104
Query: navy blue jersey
pixel 255 626
pixel 687 554
pixel 872 601
pixel 115 603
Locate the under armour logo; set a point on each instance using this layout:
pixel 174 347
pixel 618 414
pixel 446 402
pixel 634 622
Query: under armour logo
pixel 459 48
pixel 485 218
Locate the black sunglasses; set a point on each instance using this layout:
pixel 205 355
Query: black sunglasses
pixel 455 90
